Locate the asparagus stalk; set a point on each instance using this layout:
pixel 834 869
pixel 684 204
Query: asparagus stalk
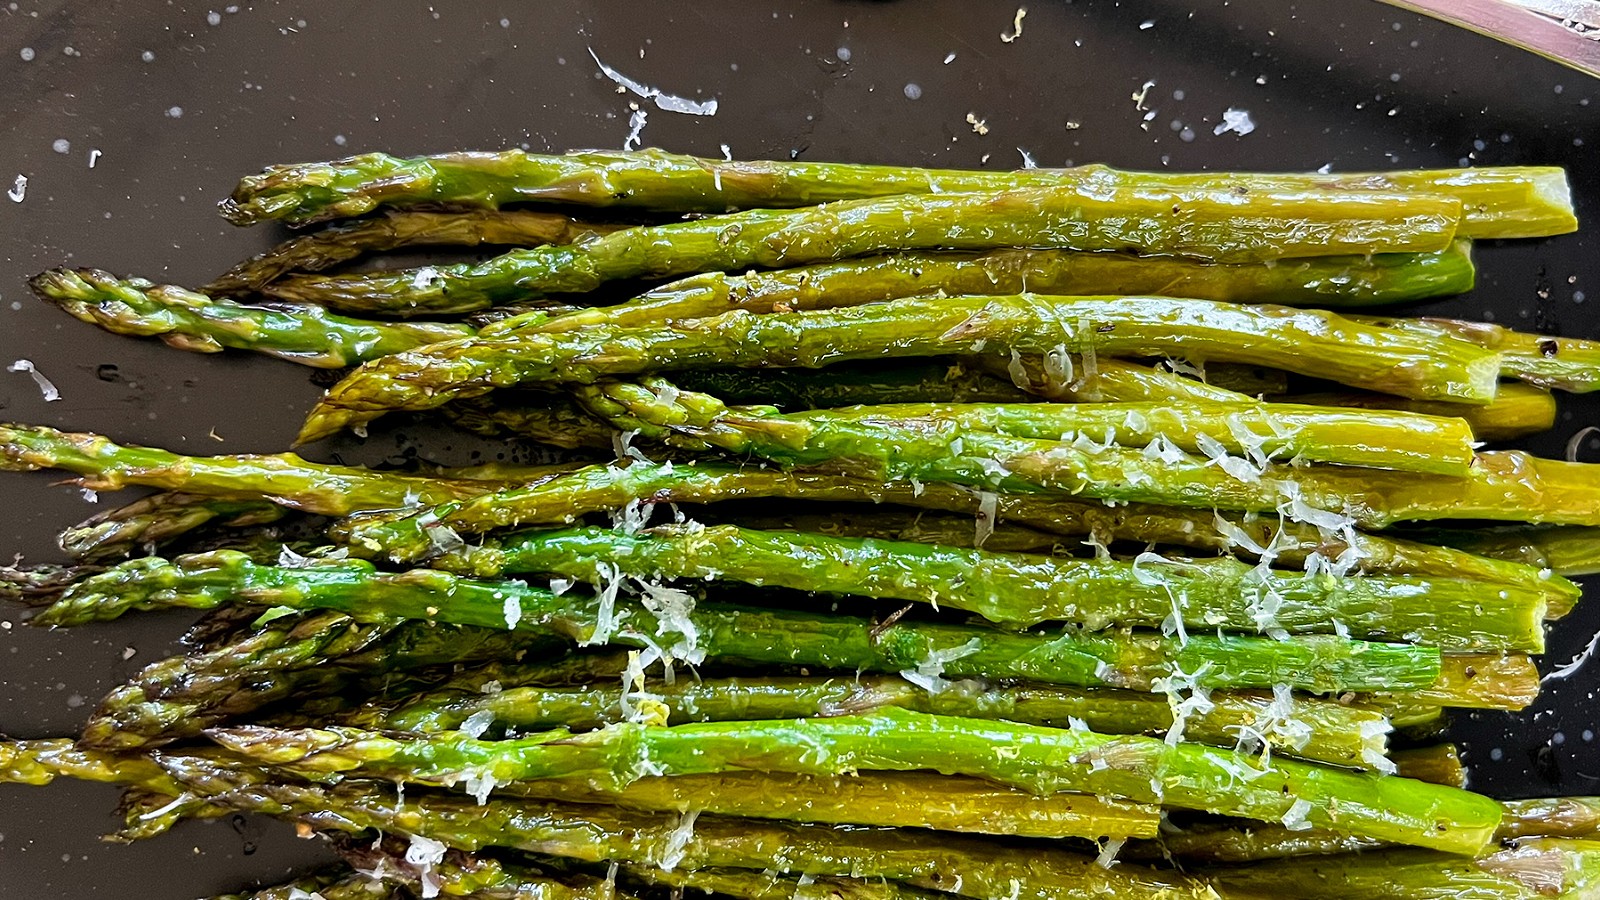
pixel 744 884
pixel 1568 364
pixel 974 867
pixel 1338 733
pixel 1110 380
pixel 40 762
pixel 159 518
pixel 1318 281
pixel 1539 868
pixel 1384 440
pixel 564 498
pixel 188 320
pixel 1110 659
pixel 397 228
pixel 1023 590
pixel 1041 760
pixel 1559 817
pixel 1439 764
pixel 291 657
pixel 459 874
pixel 1517 410
pixel 550 419
pixel 1521 201
pixel 1571 550
pixel 1507 681
pixel 283 478
pixel 882 799
pixel 1308 342
pixel 40 585
pixel 1217 225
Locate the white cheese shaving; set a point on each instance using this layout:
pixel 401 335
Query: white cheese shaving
pixel 1571 667
pixel 512 611
pixel 928 673
pixel 988 510
pixel 673 609
pixel 1016 26
pixel 1174 684
pixel 479 785
pixel 1108 852
pixel 19 189
pixel 678 841
pixel 665 101
pixel 425 853
pixel 475 725
pixel 1294 818
pixel 636 122
pixel 1173 624
pixel 46 388
pixel 1235 120
pixel 289 559
pixel 606 615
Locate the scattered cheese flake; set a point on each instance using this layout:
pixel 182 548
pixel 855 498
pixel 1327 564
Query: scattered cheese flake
pixel 1138 97
pixel 1016 26
pixel 1235 120
pixel 289 559
pixel 425 853
pixel 636 122
pixel 45 386
pixel 678 841
pixel 606 617
pixel 19 189
pixel 475 725
pixel 1294 818
pixel 988 511
pixel 928 673
pixel 979 126
pixel 1027 159
pixel 1575 663
pixel 667 102
pixel 513 612
pixel 1108 852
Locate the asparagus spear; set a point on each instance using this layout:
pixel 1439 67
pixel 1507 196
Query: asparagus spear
pixel 1308 342
pixel 1317 281
pixel 1520 201
pixel 1571 550
pixel 40 585
pixel 1218 225
pixel 1109 659
pixel 745 884
pixel 564 498
pixel 291 657
pixel 1385 440
pixel 1023 590
pixel 1107 380
pixel 549 419
pixel 974 867
pixel 1517 410
pixel 187 320
pixel 40 762
pixel 1561 817
pixel 283 478
pixel 1337 733
pixel 158 518
pixel 479 876
pixel 1568 364
pixel 1439 764
pixel 1539 868
pixel 1041 760
pixel 881 799
pixel 396 228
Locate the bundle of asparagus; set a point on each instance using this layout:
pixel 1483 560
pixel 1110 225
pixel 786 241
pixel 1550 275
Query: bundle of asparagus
pixel 1075 572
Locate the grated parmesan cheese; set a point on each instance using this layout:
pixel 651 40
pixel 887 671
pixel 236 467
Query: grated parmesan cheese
pixel 678 841
pixel 425 853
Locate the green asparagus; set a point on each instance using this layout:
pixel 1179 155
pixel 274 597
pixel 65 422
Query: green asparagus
pixel 1320 663
pixel 1503 202
pixel 283 478
pixel 1022 590
pixel 159 518
pixel 187 320
pixel 1338 733
pixel 397 228
pixel 1317 281
pixel 1570 550
pixel 1041 760
pixel 1568 364
pixel 1517 410
pixel 1320 344
pixel 1541 868
pixel 970 866
pixel 1217 225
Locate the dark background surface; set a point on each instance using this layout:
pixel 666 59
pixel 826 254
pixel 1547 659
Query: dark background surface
pixel 180 99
